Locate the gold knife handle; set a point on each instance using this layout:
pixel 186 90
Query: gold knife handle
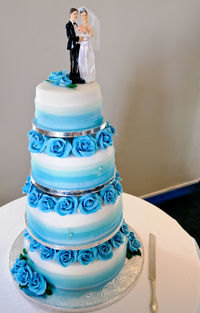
pixel 154 302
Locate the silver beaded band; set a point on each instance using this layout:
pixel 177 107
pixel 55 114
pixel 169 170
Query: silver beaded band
pixel 68 134
pixel 56 192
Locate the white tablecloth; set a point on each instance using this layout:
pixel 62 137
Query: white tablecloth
pixel 178 266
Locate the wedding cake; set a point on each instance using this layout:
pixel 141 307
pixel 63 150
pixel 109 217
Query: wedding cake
pixel 75 237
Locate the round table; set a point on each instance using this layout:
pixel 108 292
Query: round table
pixel 177 262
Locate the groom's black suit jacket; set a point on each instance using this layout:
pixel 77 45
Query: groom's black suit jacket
pixel 71 35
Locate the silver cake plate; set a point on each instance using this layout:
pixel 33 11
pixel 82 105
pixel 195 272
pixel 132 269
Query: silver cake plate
pixel 84 301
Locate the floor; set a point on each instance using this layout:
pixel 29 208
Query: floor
pixel 186 210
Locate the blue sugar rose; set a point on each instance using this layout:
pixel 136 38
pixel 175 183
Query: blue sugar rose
pixel 87 256
pixel 118 187
pixel 117 240
pixel 89 204
pixel 66 257
pixel 65 81
pixel 37 284
pixel 18 264
pixel 47 253
pixel 24 275
pixel 58 147
pixel 26 235
pixel 133 244
pixel 60 78
pixel 117 177
pixel 110 128
pixel 47 203
pixel 34 197
pixel 105 251
pixel 27 186
pixel 109 195
pixel 104 139
pixel 84 146
pixel 124 229
pixel 31 134
pixel 34 245
pixel 66 205
pixel 37 142
pixel 55 77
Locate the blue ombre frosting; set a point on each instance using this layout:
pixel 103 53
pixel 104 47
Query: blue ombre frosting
pixel 88 232
pixel 73 173
pixel 65 109
pixel 62 122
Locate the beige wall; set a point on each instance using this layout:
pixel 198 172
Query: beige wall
pixel 149 71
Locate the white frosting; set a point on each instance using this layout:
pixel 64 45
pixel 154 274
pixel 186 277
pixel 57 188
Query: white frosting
pixel 77 269
pixel 52 219
pixel 54 99
pixel 73 163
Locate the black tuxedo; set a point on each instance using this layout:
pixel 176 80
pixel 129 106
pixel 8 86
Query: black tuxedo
pixel 74 47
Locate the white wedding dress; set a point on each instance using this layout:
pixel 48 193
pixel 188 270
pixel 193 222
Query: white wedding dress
pixel 86 60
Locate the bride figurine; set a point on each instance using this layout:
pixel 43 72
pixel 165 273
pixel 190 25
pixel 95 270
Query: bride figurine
pixel 86 59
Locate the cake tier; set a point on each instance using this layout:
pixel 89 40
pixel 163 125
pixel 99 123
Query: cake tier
pixel 75 230
pixel 73 173
pixel 64 272
pixel 66 109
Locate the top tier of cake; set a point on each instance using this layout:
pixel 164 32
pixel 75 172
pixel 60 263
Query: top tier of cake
pixel 68 109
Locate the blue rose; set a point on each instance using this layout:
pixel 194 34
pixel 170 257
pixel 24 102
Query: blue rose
pixel 124 229
pixel 110 128
pixel 89 204
pixel 18 264
pixel 26 235
pixel 133 244
pixel 109 195
pixel 37 142
pixel 34 245
pixel 66 257
pixel 24 275
pixel 60 78
pixel 87 256
pixel 118 176
pixel 47 203
pixel 66 205
pixel 37 284
pixel 58 147
pixel 65 81
pixel 34 197
pixel 105 251
pixel 118 187
pixel 104 139
pixel 117 240
pixel 84 146
pixel 31 134
pixel 27 186
pixel 47 253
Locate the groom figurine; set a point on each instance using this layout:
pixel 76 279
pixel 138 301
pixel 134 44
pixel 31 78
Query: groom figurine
pixel 74 46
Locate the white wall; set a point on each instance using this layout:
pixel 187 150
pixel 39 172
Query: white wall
pixel 149 71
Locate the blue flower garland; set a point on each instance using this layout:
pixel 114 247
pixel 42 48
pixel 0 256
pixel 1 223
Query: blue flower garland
pixel 83 146
pixel 86 204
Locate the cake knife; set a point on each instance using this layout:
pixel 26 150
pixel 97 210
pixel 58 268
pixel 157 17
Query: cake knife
pixel 152 272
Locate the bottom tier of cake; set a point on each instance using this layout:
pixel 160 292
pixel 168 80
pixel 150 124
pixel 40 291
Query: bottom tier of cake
pixel 79 276
pixel 42 269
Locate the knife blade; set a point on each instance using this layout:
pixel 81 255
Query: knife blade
pixel 152 272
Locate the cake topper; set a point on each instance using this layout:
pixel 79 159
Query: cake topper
pixel 80 44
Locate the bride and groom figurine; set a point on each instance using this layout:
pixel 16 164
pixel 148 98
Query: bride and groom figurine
pixel 82 57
